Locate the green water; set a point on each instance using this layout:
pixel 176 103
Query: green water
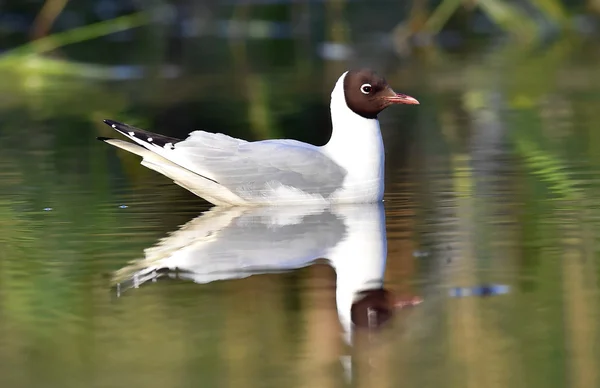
pixel 491 180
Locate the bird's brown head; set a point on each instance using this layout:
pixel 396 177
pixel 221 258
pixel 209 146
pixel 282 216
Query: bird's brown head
pixel 367 93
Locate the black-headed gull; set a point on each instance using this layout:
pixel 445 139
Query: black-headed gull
pixel 228 171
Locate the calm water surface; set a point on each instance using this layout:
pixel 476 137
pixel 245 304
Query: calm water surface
pixel 111 276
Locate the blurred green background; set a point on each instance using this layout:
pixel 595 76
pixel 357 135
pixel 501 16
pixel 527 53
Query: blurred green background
pixel 493 178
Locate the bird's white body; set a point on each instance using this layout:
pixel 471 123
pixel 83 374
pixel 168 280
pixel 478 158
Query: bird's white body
pixel 228 171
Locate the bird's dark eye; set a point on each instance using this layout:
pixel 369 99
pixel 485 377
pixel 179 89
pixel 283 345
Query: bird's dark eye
pixel 366 88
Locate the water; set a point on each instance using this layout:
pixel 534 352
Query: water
pixel 481 266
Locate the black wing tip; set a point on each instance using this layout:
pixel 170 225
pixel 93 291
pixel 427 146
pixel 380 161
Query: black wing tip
pixel 113 123
pixel 141 134
pixel 102 138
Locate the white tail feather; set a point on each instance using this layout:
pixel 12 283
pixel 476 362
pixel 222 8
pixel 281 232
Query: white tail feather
pixel 197 184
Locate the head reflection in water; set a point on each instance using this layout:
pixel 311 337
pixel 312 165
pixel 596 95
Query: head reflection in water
pixel 373 308
pixel 236 243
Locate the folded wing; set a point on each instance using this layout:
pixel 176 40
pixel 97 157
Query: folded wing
pixel 257 168
pixel 249 169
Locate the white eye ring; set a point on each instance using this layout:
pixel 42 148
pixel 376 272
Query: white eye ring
pixel 366 88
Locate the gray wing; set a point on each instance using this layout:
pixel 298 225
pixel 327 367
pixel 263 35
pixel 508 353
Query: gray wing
pixel 250 169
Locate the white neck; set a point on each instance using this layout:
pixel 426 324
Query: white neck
pixel 356 145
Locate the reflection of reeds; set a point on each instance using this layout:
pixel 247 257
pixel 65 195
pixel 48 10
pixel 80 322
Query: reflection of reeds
pixel 79 34
pixel 46 17
pixel 521 22
pixel 581 317
pixel 36 72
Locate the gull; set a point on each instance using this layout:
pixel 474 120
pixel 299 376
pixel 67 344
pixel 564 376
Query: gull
pixel 233 172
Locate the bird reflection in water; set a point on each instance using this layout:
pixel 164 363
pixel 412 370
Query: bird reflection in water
pixel 234 243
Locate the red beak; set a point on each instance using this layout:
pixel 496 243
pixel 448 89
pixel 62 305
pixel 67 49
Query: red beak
pixel 402 99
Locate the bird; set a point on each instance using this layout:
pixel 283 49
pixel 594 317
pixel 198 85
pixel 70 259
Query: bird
pixel 227 171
